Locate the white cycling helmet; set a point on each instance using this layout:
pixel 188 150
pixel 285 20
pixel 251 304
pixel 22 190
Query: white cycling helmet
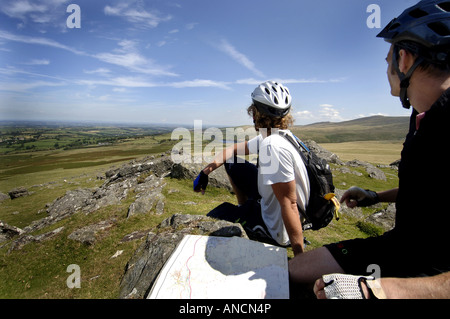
pixel 272 98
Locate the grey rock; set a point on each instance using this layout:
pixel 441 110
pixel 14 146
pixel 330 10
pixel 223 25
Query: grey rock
pixel 7 232
pixel 371 170
pixel 384 218
pixel 346 170
pixel 376 173
pixel 138 234
pixel 323 153
pixel 26 239
pixel 149 197
pixel 3 197
pixel 18 192
pixel 218 178
pixel 88 235
pixel 144 266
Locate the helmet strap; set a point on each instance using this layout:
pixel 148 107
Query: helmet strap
pixel 404 78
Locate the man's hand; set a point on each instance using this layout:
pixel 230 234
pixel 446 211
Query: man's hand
pixel 356 196
pixel 201 182
pixel 319 287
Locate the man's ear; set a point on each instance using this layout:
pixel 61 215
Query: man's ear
pixel 405 61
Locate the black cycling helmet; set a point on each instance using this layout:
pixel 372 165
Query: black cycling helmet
pixel 427 23
pixel 424 30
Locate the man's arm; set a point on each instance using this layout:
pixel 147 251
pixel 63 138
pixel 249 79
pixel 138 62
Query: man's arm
pixel 436 287
pixel 357 196
pixel 287 197
pixel 389 196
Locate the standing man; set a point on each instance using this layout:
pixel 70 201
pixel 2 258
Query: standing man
pixel 419 73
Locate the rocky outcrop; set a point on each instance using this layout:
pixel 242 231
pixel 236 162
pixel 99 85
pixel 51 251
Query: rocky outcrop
pixel 372 171
pixel 7 232
pixel 143 178
pixel 323 153
pixel 148 197
pixel 25 239
pixel 385 218
pixel 143 268
pixel 18 192
pixel 88 235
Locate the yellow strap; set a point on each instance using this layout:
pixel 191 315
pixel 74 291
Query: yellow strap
pixel 336 203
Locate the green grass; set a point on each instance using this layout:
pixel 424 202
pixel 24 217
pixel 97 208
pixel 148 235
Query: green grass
pixel 39 269
pixel 344 181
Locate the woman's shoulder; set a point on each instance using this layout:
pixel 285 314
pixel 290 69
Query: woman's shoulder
pixel 277 139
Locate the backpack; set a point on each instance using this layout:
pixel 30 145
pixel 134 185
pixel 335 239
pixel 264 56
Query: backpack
pixel 323 204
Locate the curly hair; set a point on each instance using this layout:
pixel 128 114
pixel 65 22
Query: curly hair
pixel 262 120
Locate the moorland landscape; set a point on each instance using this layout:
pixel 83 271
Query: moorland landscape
pixel 44 165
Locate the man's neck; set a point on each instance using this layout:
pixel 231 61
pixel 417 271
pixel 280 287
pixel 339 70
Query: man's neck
pixel 424 91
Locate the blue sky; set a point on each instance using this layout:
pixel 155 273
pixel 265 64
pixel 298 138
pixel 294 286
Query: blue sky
pixel 176 61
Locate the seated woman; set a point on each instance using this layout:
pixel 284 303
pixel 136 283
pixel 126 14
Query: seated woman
pixel 271 194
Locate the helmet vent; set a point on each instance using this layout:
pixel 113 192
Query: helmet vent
pixel 267 91
pixel 445 6
pixel 275 100
pixel 418 13
pixel 275 89
pixel 440 28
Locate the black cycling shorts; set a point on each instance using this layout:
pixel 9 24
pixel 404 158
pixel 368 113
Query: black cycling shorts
pixel 395 258
pixel 245 177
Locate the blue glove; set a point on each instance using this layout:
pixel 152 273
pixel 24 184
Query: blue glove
pixel 201 182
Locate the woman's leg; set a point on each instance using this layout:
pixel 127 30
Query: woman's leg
pixel 243 177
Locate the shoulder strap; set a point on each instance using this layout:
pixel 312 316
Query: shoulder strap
pixel 298 144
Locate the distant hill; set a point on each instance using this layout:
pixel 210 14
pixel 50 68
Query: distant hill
pixel 372 128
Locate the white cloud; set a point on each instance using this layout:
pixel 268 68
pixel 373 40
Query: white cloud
pixel 329 113
pixel 252 81
pixel 323 113
pixel 129 57
pixel 304 115
pixel 138 82
pixel 161 43
pixel 199 83
pixel 37 62
pixel 20 9
pixel 240 58
pixel 42 12
pixel 191 26
pixel 126 55
pixel 22 86
pixel 40 41
pixel 101 71
pixel 135 13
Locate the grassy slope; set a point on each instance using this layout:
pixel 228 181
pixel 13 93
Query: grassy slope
pixel 374 128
